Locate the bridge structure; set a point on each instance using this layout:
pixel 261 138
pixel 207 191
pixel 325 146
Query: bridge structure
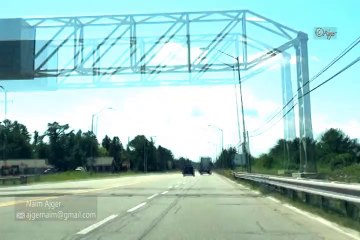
pixel 161 49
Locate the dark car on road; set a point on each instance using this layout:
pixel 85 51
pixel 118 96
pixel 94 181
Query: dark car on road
pixel 188 170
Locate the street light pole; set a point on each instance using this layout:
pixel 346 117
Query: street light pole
pixel 222 136
pixel 215 151
pixel 92 123
pixel 242 107
pixel 222 140
pixel 92 130
pixel 96 114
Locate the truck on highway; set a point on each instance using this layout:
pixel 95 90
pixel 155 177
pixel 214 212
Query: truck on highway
pixel 205 165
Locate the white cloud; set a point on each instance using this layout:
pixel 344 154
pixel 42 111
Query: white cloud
pixel 168 114
pixel 315 58
pixel 173 53
pixel 254 19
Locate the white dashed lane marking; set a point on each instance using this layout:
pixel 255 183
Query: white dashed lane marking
pixel 96 225
pixel 136 207
pixel 152 196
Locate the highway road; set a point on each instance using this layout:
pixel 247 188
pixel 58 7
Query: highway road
pixel 154 206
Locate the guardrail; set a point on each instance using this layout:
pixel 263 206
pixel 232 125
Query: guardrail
pixel 342 191
pixel 347 194
pixel 23 179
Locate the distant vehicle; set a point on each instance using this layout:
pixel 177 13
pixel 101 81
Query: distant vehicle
pixel 205 165
pixel 50 170
pixel 188 170
pixel 80 169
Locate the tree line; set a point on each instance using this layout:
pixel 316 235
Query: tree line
pixel 67 149
pixel 333 150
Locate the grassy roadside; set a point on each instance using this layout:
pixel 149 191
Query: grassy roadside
pixel 70 176
pixel 333 216
pixel 349 174
pixel 77 175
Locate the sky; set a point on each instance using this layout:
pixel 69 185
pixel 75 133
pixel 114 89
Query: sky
pixel 179 117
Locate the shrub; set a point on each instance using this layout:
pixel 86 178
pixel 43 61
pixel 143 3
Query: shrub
pixel 266 161
pixel 341 161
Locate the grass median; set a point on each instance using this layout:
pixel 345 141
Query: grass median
pixel 75 175
pixel 69 176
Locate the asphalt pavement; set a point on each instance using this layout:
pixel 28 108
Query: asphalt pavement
pixel 152 207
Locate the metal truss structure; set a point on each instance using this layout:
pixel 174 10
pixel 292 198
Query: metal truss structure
pixel 171 49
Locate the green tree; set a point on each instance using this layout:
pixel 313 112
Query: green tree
pixel 266 160
pixel 15 140
pixel 57 135
pixel 226 158
pixel 292 154
pixel 40 149
pixel 106 142
pixel 333 143
pixel 179 163
pixel 164 158
pixel 137 152
pixel 142 150
pixel 115 150
pixel 102 152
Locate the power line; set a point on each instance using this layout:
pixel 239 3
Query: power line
pixel 321 84
pixel 346 50
pixel 258 134
pixel 335 75
pixel 342 54
pixel 350 47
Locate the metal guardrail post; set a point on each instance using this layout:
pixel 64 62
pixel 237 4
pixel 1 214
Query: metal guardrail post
pixel 23 179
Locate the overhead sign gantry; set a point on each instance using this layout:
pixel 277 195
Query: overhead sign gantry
pixel 159 49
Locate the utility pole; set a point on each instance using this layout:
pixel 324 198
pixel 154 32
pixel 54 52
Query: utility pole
pixel 92 147
pixel 145 160
pixel 248 144
pixel 238 118
pixel 5 101
pixel 5 112
pixel 243 117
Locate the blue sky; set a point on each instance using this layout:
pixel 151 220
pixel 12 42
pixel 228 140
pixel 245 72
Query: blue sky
pixel 189 110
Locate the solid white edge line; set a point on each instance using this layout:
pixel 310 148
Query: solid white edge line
pixel 273 199
pixel 311 216
pixel 136 207
pixel 96 225
pixel 323 221
pixel 164 192
pixel 152 196
pixel 244 187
